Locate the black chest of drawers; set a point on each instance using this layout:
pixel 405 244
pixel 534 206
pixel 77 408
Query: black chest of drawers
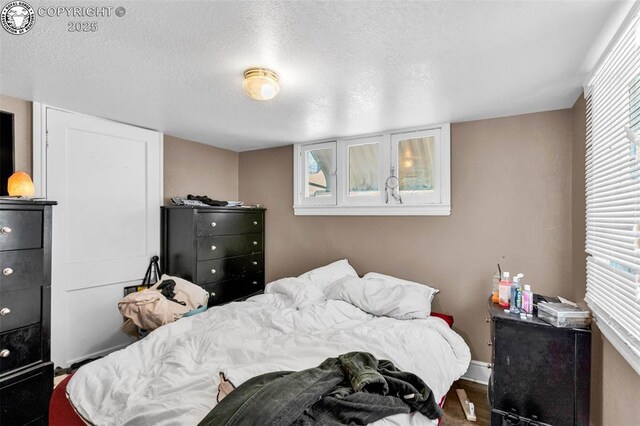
pixel 220 249
pixel 541 373
pixel 26 373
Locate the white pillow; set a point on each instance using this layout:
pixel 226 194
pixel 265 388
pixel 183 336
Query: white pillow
pixel 398 281
pixel 323 277
pixel 296 292
pixel 378 297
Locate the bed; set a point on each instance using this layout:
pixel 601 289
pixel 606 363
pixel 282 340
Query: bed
pixel 171 376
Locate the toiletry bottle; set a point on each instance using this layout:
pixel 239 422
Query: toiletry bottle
pixel 519 292
pixel 513 296
pixel 495 287
pixel 527 299
pixel 504 289
pixel 519 298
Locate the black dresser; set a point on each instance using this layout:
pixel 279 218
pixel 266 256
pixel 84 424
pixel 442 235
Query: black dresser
pixel 219 248
pixel 541 373
pixel 26 373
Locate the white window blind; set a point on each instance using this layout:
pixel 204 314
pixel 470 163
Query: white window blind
pixel 613 192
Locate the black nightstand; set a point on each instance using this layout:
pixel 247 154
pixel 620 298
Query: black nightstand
pixel 541 373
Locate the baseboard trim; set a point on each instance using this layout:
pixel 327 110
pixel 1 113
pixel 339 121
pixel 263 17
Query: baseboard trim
pixel 96 354
pixel 478 372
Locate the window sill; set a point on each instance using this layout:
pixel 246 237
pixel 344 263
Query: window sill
pixel 394 210
pixel 619 342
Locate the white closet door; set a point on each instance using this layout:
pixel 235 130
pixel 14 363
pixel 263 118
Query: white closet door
pixel 107 180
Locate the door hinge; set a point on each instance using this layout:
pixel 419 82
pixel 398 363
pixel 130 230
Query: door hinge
pixel 47 139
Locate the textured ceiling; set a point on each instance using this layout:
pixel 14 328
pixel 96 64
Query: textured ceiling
pixel 346 68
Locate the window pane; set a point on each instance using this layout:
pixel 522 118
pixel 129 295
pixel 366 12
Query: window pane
pixel 363 169
pixel 318 173
pixel 415 164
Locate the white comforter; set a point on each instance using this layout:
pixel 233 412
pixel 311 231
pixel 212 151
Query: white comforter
pixel 171 376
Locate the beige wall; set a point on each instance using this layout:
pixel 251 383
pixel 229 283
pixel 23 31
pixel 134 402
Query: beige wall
pixel 511 197
pixel 198 169
pixel 22 128
pixel 615 386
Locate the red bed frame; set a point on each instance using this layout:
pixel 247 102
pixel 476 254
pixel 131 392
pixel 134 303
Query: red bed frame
pixel 61 413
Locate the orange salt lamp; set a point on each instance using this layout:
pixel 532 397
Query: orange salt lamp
pixel 21 185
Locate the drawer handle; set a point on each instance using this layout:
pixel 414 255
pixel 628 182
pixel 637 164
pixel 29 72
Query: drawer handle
pixel 5 230
pixel 255 263
pixel 254 282
pixel 213 271
pixel 213 224
pixel 255 222
pixel 5 353
pixel 255 243
pixel 7 271
pixel 5 311
pixel 213 294
pixel 213 248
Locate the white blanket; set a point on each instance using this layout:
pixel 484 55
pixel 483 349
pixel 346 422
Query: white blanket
pixel 171 376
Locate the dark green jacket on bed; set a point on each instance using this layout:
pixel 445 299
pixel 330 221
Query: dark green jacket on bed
pixel 354 388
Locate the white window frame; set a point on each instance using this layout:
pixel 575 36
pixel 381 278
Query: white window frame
pixel 437 203
pixel 409 197
pixel 301 178
pixel 343 166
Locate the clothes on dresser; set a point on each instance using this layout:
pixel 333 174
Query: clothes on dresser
pixel 354 388
pixel 208 201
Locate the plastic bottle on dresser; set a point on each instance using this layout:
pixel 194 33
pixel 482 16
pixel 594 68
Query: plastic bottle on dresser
pixel 515 298
pixel 495 287
pixel 504 288
pixel 527 299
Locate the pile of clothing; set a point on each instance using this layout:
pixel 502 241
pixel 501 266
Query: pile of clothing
pixel 354 388
pixel 167 301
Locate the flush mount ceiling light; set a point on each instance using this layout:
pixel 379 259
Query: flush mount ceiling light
pixel 260 84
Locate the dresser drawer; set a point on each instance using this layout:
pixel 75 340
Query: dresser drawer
pixel 228 246
pixel 21 269
pixel 23 346
pixel 228 223
pixel 20 229
pixel 226 291
pixel 23 308
pixel 230 268
pixel 24 399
